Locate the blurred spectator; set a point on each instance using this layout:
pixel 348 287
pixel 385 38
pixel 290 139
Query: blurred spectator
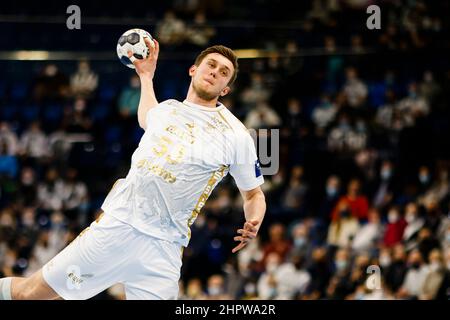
pixel 84 81
pixel 343 137
pixel 339 285
pixel 27 188
pixel 194 290
pixel 368 235
pixel 355 89
pixel 292 279
pixel 294 117
pixel 249 257
pixel 437 281
pixel 343 228
pixel 75 198
pixel 9 166
pixel 77 121
pixel 396 270
pixel 356 203
pixel 395 227
pixel 129 98
pixel 412 106
pixel 8 139
pixel 170 30
pixel 325 112
pixel 262 116
pixel 34 142
pixel 294 198
pixel 50 192
pixel 414 224
pixel 332 195
pixel 415 277
pixel 200 33
pixel 302 246
pixel 216 288
pixel 385 189
pixel 277 243
pixel 267 283
pixel 320 272
pixel 51 85
pixel 426 242
pixel 255 93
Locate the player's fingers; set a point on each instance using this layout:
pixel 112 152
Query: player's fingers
pixel 156 47
pixel 239 247
pixel 249 227
pixel 238 238
pixel 247 234
pixel 131 57
pixel 149 47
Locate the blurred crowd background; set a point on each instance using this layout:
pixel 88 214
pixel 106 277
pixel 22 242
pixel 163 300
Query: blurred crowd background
pixel 364 122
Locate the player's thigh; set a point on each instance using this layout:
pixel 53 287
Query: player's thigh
pixel 94 261
pixel 155 272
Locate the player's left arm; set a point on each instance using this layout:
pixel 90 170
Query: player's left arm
pixel 254 210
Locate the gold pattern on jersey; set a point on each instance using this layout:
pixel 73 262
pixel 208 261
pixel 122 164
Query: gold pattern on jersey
pixel 157 170
pixel 186 136
pixel 175 155
pixel 215 177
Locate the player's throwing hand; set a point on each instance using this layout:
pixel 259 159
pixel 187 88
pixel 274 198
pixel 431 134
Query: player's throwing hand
pixel 248 233
pixel 147 66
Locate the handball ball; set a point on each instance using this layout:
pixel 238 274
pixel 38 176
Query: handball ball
pixel 133 40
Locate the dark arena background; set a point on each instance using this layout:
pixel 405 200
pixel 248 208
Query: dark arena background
pixel 358 206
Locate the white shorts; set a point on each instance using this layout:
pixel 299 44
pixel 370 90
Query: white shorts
pixel 109 252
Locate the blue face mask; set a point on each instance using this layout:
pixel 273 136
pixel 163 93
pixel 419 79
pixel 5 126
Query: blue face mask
pixel 386 174
pixel 331 191
pixel 424 178
pixel 341 264
pixel 299 242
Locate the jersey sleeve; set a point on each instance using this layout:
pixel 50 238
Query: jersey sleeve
pixel 246 169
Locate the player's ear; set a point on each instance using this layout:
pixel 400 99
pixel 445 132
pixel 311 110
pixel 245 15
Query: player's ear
pixel 192 70
pixel 225 91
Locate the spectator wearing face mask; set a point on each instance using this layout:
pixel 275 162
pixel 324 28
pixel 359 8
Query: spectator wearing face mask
pixel 301 240
pixel 424 177
pixel 437 281
pixel 339 285
pixel 395 269
pixel 321 272
pixel 356 202
pixel 292 278
pixel 216 288
pixel 395 227
pixel 267 284
pixel 343 228
pixel 332 194
pixel 426 242
pixel 415 277
pixel 414 224
pixel 384 190
pixel 369 234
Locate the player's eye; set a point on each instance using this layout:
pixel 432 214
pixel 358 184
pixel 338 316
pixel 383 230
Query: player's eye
pixel 224 73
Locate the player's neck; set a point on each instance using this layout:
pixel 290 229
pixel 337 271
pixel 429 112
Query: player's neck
pixel 194 98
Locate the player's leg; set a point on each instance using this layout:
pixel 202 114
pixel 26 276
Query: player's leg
pixel 155 271
pixel 30 288
pixel 93 262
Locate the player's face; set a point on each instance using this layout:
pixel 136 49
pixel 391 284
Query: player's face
pixel 210 78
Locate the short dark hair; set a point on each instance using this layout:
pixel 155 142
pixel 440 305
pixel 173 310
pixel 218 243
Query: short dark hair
pixel 224 51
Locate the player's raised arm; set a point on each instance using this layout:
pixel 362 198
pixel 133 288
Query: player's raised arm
pixel 254 210
pixel 145 68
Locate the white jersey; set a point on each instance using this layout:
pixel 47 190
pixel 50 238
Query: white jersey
pixel 184 153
